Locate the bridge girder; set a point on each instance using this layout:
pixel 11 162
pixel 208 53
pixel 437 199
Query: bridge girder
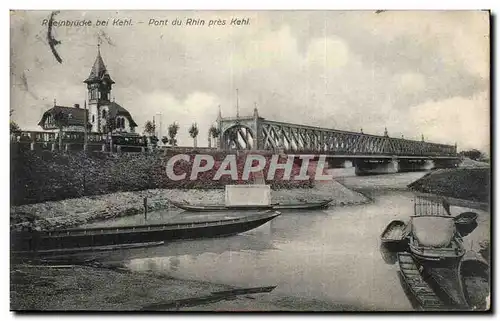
pixel 272 135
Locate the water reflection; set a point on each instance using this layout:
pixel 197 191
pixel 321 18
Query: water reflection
pixel 174 263
pixel 389 253
pixel 331 256
pixel 465 230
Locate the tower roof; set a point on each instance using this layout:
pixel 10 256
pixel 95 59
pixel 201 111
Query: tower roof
pixel 99 71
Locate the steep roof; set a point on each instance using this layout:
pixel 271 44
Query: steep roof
pixel 117 110
pixel 98 71
pixel 75 116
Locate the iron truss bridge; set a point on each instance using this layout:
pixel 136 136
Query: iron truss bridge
pixel 257 133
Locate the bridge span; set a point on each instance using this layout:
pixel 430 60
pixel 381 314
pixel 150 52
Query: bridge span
pixel 368 153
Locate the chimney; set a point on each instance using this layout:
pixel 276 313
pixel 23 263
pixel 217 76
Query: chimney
pixel 77 105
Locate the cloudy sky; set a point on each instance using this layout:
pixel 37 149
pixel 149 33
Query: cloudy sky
pixel 412 72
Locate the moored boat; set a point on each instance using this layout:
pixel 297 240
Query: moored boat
pixel 435 238
pixel 25 242
pixel 273 206
pixel 301 206
pixel 466 218
pixel 394 232
pixel 474 274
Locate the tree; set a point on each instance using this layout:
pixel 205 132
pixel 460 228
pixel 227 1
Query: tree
pixel 193 132
pixel 172 132
pixel 149 128
pixel 214 133
pixel 110 126
pixel 13 126
pixel 61 120
pixel 473 154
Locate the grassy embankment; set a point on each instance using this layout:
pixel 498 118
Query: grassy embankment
pixel 468 183
pixel 40 176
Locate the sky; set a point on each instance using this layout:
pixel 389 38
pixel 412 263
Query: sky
pixel 414 72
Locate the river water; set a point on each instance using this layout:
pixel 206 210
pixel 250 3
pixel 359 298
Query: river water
pixel 327 259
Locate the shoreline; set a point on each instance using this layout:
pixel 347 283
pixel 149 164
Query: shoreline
pixel 90 286
pixel 91 209
pixel 82 288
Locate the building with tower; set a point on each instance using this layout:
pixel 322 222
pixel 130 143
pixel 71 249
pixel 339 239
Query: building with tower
pixel 104 115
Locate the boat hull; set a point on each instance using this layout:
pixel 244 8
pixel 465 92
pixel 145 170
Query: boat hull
pixel 83 238
pixel 475 280
pixel 393 233
pixel 221 208
pixel 441 256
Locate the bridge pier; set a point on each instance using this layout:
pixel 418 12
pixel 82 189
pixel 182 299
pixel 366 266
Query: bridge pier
pixel 445 163
pixel 375 166
pixel 415 165
pixel 338 162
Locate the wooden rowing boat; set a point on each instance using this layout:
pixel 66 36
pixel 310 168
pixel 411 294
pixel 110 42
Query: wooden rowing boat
pixel 273 206
pixel 475 280
pixel 26 242
pixel 102 248
pixel 394 232
pixel 466 218
pixel 301 206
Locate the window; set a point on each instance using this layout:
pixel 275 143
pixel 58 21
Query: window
pixel 104 113
pixel 93 118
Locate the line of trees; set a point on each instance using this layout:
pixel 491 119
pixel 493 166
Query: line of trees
pixel 173 130
pixel 473 154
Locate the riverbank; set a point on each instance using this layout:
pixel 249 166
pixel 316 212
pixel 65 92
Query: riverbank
pixel 90 288
pixel 468 183
pixel 89 209
pixel 85 288
pixel 337 248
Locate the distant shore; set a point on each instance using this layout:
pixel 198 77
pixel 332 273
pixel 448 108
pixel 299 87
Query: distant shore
pixel 467 183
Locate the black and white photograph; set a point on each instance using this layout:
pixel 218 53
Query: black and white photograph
pixel 250 160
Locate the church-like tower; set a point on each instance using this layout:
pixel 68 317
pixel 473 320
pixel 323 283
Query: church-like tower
pixel 99 85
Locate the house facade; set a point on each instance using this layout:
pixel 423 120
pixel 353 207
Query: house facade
pixel 102 114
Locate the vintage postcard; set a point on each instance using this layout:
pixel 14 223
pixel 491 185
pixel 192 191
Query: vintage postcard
pixel 250 160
